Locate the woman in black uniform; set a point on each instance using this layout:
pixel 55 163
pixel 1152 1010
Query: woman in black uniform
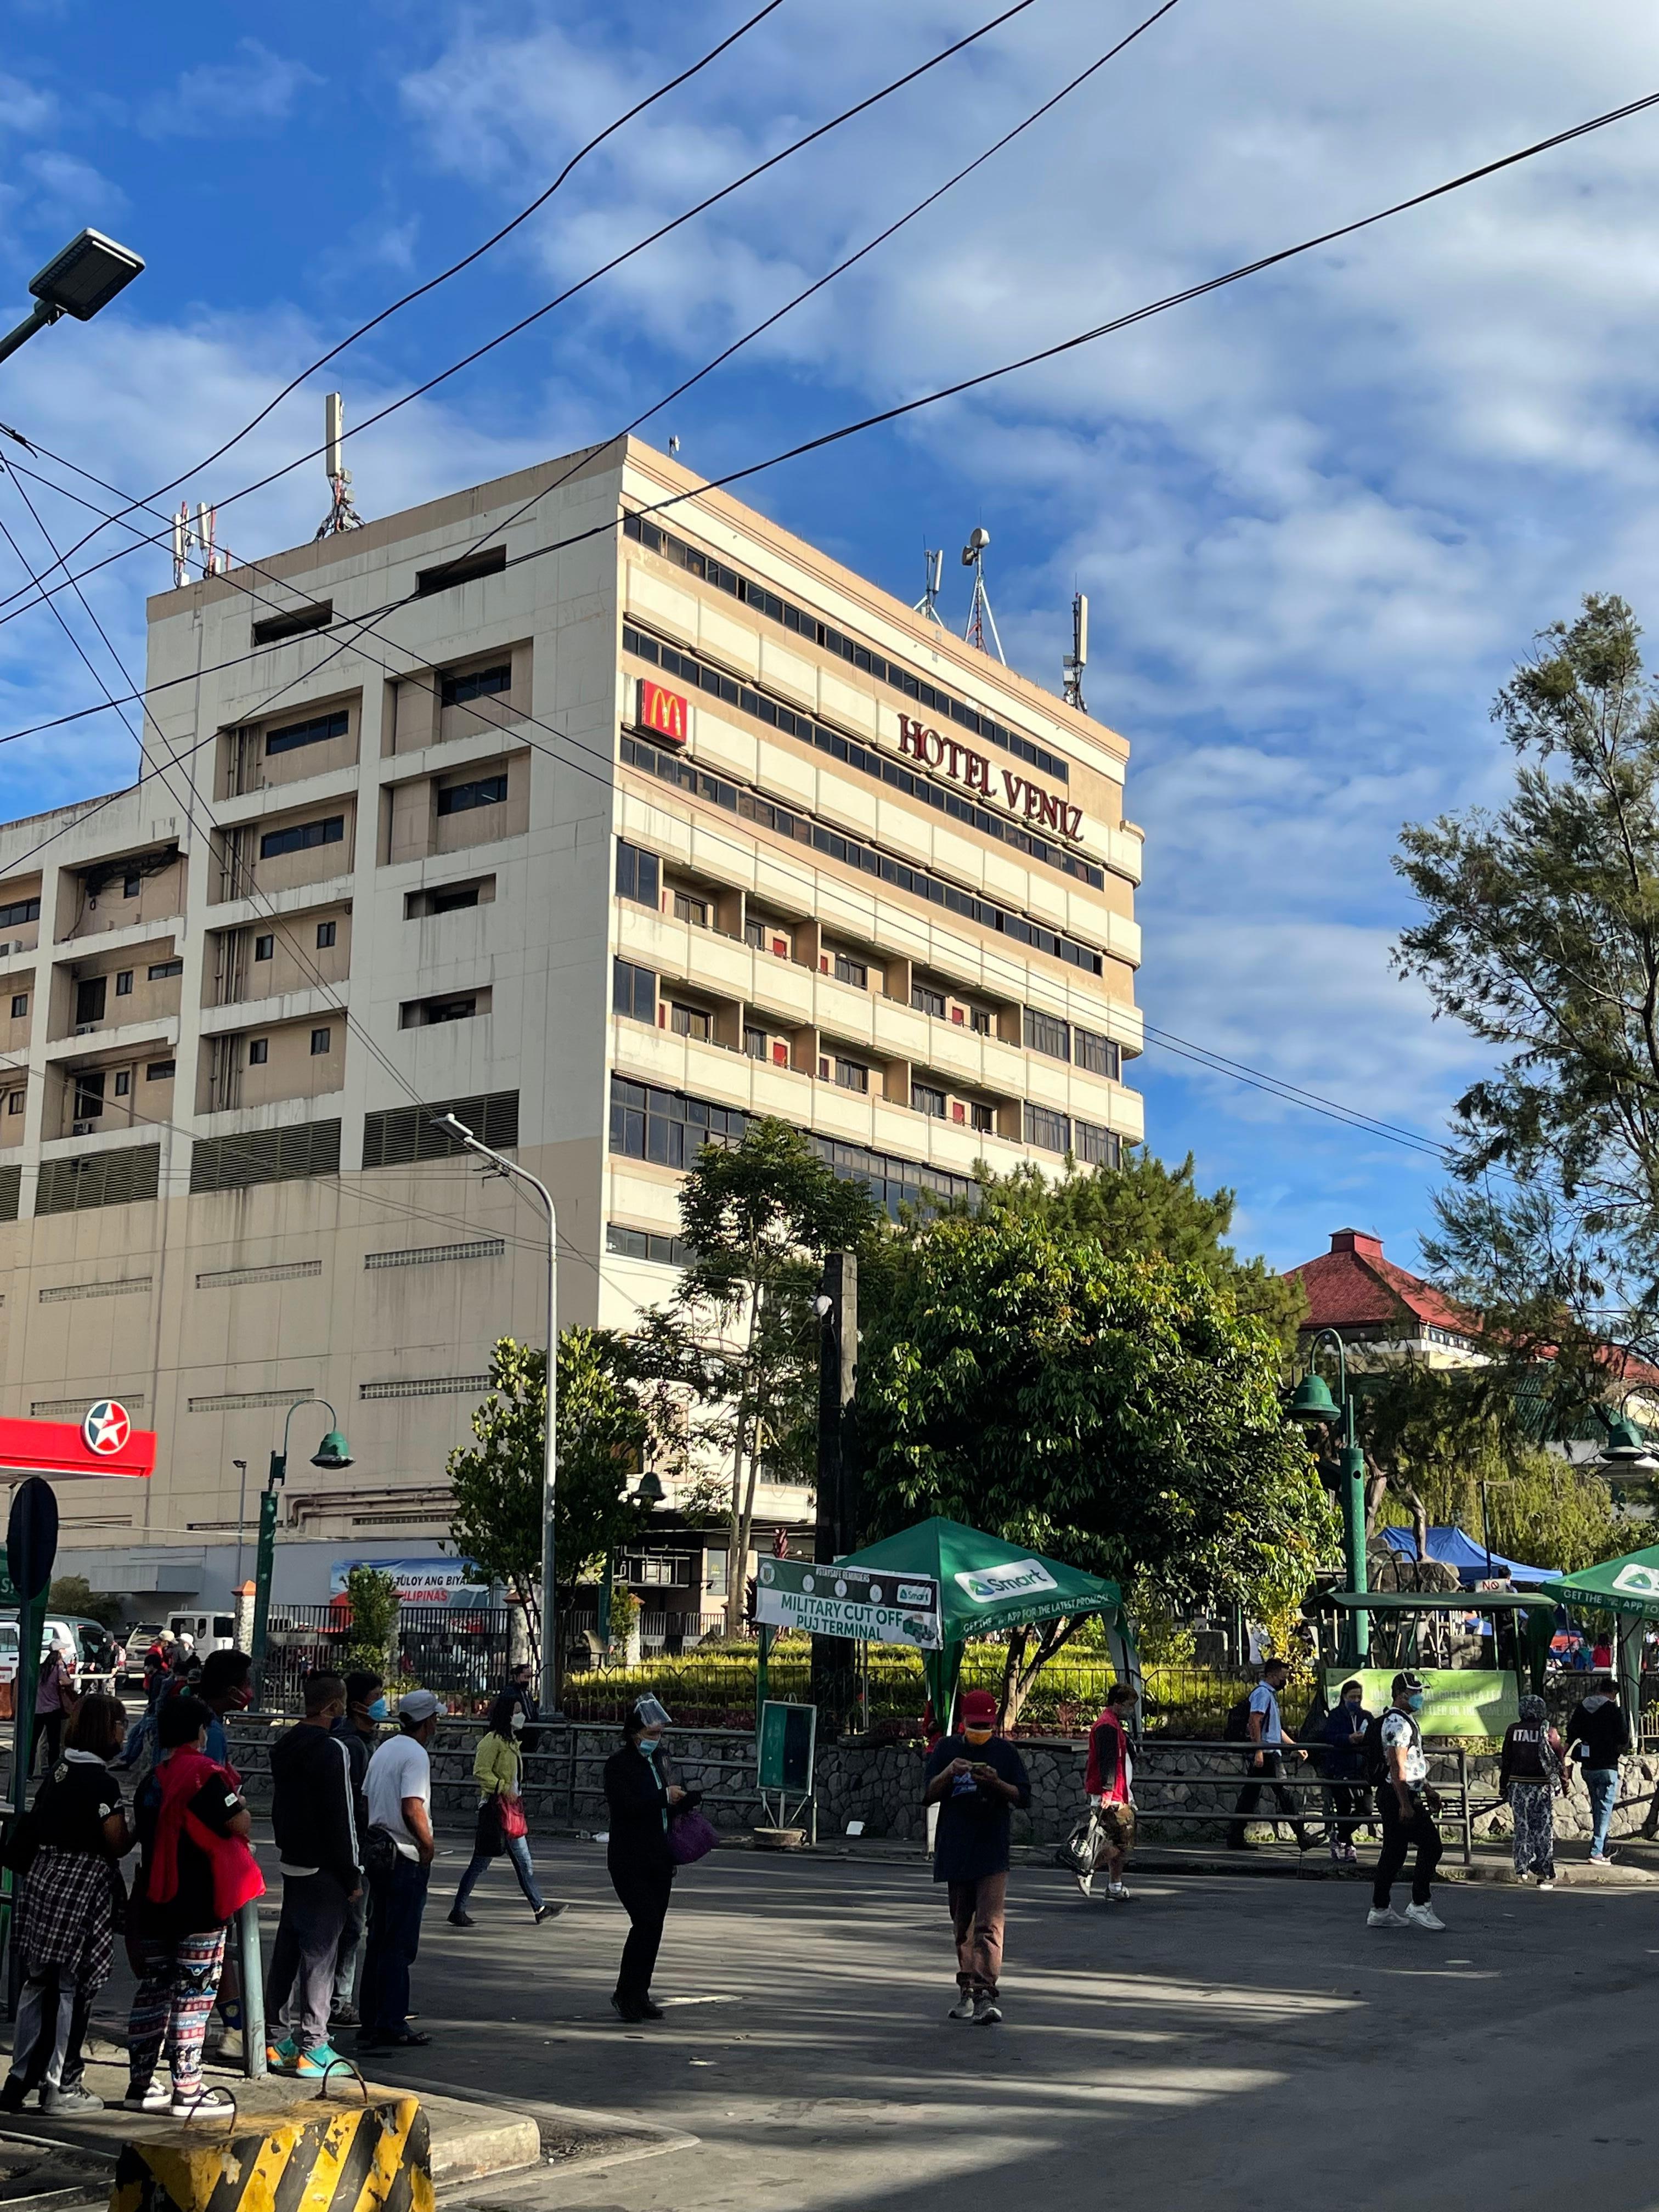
pixel 639 1790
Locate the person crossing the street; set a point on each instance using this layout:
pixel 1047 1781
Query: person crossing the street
pixel 1408 1805
pixel 976 1779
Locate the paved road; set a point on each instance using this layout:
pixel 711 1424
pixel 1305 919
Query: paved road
pixel 1221 2042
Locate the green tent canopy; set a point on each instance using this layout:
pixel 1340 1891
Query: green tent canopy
pixel 1627 1585
pixel 987 1586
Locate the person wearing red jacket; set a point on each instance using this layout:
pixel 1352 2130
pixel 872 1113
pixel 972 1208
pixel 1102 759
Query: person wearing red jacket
pixel 1109 1782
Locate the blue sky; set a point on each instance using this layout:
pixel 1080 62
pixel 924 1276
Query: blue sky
pixel 1318 516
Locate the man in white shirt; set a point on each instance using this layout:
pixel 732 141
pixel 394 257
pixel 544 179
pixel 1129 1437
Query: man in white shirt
pixel 1407 1806
pixel 399 1851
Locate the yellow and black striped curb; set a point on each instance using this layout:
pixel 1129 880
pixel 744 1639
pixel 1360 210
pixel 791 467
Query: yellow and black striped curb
pixel 332 2156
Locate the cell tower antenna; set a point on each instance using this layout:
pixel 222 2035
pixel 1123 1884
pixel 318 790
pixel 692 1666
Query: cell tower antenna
pixel 1078 659
pixel 181 542
pixel 980 617
pixel 207 522
pixel 342 513
pixel 933 569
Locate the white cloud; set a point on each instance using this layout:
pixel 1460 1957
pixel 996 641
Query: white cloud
pixel 257 89
pixel 24 108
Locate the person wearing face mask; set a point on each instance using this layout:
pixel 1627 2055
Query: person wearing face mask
pixel 498 1768
pixel 1343 1737
pixel 976 1779
pixel 1394 1745
pixel 226 1686
pixel 639 1789
pixel 315 1822
pixel 359 1729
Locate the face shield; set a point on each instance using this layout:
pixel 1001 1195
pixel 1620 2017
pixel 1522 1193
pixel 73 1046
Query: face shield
pixel 651 1713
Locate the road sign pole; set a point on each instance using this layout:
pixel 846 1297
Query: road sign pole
pixel 264 1563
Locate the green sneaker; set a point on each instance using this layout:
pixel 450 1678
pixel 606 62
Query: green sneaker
pixel 311 2065
pixel 283 2057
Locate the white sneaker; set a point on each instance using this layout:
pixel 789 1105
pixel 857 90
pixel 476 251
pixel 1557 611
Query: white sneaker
pixel 1086 1883
pixel 153 2097
pixel 1547 1881
pixel 1384 1916
pixel 964 2007
pixel 203 2104
pixel 1423 1916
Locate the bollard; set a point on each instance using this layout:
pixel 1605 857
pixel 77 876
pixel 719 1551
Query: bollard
pixel 373 2156
pixel 254 1990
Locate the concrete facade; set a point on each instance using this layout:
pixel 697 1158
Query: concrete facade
pixel 607 833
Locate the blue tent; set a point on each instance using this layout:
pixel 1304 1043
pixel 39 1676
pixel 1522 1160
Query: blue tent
pixel 1462 1552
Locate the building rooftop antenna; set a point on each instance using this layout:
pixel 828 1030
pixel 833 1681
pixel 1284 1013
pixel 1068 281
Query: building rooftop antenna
pixel 1078 659
pixel 934 567
pixel 980 617
pixel 342 513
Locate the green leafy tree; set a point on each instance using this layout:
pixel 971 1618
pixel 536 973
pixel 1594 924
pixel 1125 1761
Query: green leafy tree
pixel 372 1597
pixel 604 1431
pixel 1539 932
pixel 759 1216
pixel 75 1595
pixel 1119 1414
pixel 1144 1210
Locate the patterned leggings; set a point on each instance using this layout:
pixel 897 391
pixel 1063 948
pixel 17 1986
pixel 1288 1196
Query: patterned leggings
pixel 171 2003
pixel 1531 1803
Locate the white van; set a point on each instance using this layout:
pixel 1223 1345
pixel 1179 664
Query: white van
pixel 207 1631
pixel 55 1630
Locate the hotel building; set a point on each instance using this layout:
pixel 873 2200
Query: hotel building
pixel 586 804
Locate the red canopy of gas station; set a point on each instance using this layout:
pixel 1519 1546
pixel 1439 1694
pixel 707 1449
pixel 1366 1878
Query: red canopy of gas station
pixel 65 1451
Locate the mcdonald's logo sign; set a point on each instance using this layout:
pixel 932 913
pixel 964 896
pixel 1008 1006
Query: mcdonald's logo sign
pixel 663 711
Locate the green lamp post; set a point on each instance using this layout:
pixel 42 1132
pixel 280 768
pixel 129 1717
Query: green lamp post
pixel 331 1454
pixel 1312 1407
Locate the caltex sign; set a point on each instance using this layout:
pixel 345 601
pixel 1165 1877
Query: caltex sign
pixel 106 1428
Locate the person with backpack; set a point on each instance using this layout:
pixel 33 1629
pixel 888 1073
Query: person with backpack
pixel 1109 1782
pixel 1396 1762
pixel 1255 1720
pixel 1599 1734
pixel 1343 1762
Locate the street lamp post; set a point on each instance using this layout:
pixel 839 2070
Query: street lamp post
pixel 1312 1407
pixel 84 277
pixel 548 1697
pixel 331 1454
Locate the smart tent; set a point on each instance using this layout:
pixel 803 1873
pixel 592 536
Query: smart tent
pixel 1629 1588
pixel 987 1586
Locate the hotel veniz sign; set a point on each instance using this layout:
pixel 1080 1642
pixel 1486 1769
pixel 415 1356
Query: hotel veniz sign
pixel 865 1604
pixel 975 771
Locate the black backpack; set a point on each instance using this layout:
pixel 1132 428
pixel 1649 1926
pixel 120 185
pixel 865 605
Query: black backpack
pixel 1237 1729
pixel 1376 1757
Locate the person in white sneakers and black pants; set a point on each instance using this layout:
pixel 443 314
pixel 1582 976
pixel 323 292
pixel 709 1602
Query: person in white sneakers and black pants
pixel 1394 1757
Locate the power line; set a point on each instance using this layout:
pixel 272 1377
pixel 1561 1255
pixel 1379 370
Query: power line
pixel 950 391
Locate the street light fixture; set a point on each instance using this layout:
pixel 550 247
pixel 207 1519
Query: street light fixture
pixel 1624 1451
pixel 78 282
pixel 332 1456
pixel 1312 1407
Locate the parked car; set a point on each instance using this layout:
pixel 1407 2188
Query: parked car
pixel 89 1643
pixel 138 1639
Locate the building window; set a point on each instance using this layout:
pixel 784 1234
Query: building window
pixel 926 1000
pixel 924 1099
pixel 639 875
pixel 982 1118
pixel 316 732
pixel 978 1021
pixel 1046 1033
pixel 129 886
pixel 20 1004
pixel 1097 1053
pixel 300 836
pixel 633 991
pixel 15 1102
pixel 1043 1127
pixel 648 1124
pixel 449 901
pixel 754 934
pixel 19 910
pixel 481 791
pixel 159 970
pixel 852 1075
pixel 265 948
pixel 123 1081
pixel 321 1042
pixel 755 1044
pixel 159 1070
pixel 849 970
pixel 645 1244
pixel 425 1013
pixel 325 934
pixel 89 1095
pixel 124 984
pixel 688 906
pixel 1096 1146
pixel 476 684
pixel 258 1051
pixel 690 1022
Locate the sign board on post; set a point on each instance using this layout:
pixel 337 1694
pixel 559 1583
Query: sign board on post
pixel 1473 1701
pixel 32 1537
pixel 788 1746
pixel 868 1605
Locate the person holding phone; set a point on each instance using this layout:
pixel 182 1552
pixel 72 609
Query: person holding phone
pixel 976 1780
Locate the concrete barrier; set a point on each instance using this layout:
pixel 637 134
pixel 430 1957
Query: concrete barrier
pixel 335 2153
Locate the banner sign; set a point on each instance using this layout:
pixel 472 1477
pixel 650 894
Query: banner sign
pixel 996 1585
pixel 868 1605
pixel 1457 1700
pixel 420 1581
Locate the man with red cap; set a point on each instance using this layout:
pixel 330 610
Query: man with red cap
pixel 976 1779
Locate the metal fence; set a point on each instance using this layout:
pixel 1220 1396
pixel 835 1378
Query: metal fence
pixel 460 1652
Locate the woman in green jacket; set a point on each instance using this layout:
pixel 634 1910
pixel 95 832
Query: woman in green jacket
pixel 496 1769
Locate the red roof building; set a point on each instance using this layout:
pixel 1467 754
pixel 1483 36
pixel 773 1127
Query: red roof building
pixel 1354 1289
